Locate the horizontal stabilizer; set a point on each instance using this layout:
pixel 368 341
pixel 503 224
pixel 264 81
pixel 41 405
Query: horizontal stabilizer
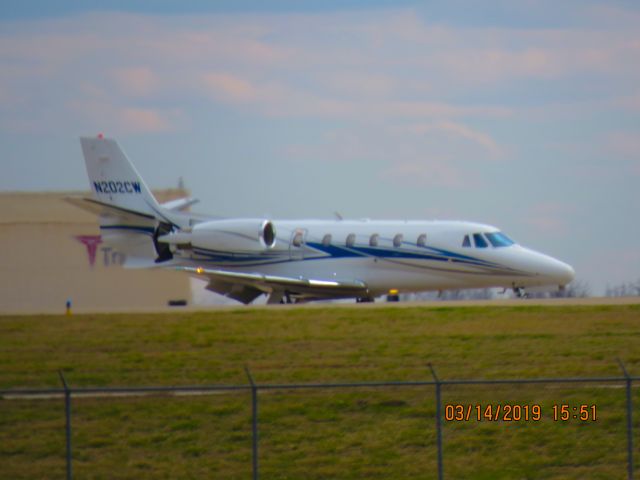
pixel 180 204
pixel 105 209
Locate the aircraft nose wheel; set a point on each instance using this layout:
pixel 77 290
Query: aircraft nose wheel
pixel 520 293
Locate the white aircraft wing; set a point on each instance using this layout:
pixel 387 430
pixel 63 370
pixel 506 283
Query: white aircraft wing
pixel 245 287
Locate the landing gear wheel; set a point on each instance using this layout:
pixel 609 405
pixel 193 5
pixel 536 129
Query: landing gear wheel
pixel 364 300
pixel 520 293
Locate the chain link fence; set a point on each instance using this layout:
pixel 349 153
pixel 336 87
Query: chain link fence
pixel 454 425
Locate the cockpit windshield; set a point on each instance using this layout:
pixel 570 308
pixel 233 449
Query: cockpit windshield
pixel 496 239
pixel 499 239
pixel 479 241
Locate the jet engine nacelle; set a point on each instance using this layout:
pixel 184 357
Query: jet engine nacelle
pixel 236 235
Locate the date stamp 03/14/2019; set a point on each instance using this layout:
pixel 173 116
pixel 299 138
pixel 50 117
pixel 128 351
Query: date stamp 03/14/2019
pixel 499 412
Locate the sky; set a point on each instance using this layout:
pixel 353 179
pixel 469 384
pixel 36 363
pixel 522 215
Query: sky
pixel 523 115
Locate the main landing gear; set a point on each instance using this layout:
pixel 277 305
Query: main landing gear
pixel 364 300
pixel 286 299
pixel 279 297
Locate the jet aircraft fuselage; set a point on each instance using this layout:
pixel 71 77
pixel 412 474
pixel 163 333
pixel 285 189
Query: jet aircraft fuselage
pixel 302 259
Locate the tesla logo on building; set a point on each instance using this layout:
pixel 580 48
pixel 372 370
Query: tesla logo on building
pixel 91 242
pixel 110 257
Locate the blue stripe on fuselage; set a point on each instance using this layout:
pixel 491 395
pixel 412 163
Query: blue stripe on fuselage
pixel 334 251
pixel 433 254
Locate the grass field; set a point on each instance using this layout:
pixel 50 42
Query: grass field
pixel 353 433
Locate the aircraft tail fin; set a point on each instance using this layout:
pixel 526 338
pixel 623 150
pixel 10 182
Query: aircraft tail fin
pixel 113 178
pixel 131 220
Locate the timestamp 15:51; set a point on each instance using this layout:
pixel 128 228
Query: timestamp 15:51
pixel 566 412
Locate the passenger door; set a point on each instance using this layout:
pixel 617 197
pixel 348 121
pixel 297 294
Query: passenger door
pixel 297 244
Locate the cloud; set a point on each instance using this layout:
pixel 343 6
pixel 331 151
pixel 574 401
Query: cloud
pixel 144 120
pixel 624 147
pixel 229 88
pixel 438 154
pixel 550 218
pixel 281 99
pixel 612 16
pixel 625 144
pixel 389 64
pixel 136 81
pixel 103 116
pixel 360 84
pixel 436 110
pixel 614 266
pixel 432 173
pixel 629 102
pixel 540 59
pixel 461 132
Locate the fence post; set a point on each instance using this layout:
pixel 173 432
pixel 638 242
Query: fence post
pixel 629 422
pixel 67 409
pixel 438 422
pixel 254 422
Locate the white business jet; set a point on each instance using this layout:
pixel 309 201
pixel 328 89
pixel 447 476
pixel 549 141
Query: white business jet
pixel 301 260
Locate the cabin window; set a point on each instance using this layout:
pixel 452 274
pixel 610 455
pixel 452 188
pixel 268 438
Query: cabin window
pixel 351 239
pixel 479 240
pixel 422 240
pixel 397 240
pixel 499 239
pixel 298 239
pixel 326 240
pixel 373 240
pixel 466 242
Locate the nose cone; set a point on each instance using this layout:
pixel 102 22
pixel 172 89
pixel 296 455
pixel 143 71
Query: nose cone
pixel 543 269
pixel 557 272
pixel 565 273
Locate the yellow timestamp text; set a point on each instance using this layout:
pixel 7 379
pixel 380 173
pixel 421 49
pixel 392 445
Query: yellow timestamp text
pixel 514 412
